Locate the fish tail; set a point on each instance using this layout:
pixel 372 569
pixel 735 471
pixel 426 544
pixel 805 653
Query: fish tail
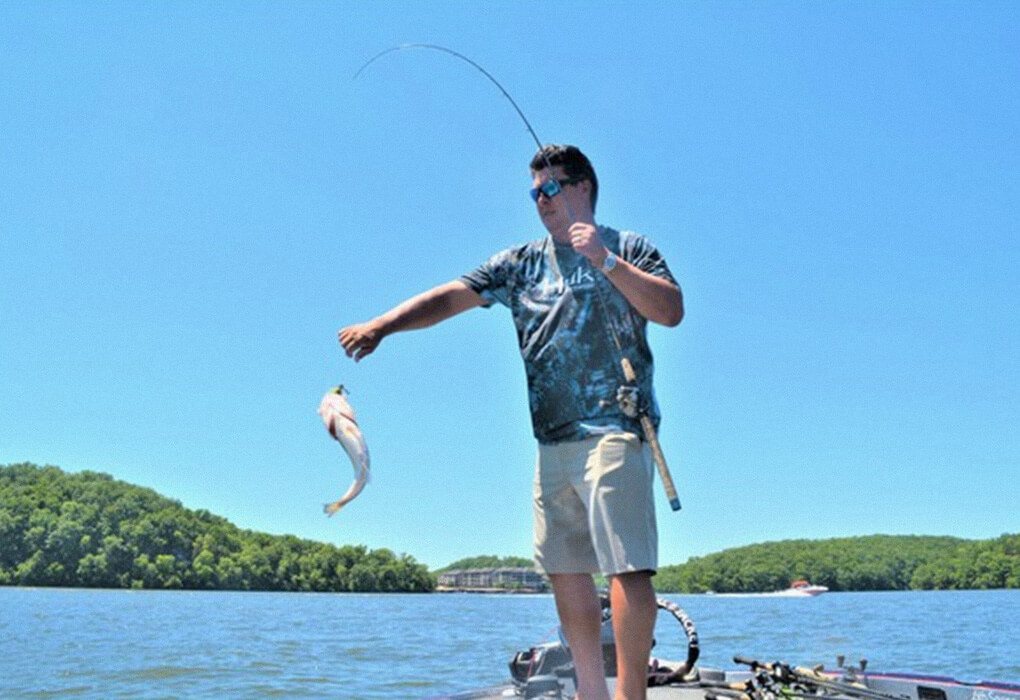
pixel 331 508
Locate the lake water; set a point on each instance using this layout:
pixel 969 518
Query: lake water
pixel 148 644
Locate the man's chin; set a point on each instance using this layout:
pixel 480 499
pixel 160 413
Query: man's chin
pixel 553 223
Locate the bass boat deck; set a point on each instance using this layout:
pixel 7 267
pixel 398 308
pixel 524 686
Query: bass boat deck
pixel 546 671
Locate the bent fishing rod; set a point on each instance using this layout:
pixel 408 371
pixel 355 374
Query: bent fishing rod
pixel 627 395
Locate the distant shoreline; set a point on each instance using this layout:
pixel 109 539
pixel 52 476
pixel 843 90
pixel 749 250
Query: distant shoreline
pixel 504 591
pixel 88 530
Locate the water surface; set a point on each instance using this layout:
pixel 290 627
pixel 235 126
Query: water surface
pixel 156 644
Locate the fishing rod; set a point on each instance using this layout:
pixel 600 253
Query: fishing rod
pixel 627 396
pixel 788 675
pixel 779 681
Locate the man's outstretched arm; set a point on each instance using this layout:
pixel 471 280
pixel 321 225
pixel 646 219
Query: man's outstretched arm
pixel 421 311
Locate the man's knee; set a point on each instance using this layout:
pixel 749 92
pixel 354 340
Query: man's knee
pixel 632 580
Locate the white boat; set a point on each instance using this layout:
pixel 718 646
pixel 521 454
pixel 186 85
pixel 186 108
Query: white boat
pixel 798 589
pixel 802 588
pixel 546 671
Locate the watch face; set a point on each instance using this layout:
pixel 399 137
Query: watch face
pixel 609 263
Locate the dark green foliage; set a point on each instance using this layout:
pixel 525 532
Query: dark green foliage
pixel 489 561
pixel 986 564
pixel 878 562
pixel 88 530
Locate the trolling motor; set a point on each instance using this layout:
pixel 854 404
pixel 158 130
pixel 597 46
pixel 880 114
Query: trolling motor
pixel 544 671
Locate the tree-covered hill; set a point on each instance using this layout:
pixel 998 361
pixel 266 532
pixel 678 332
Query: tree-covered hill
pixel 877 562
pixel 490 561
pixel 88 530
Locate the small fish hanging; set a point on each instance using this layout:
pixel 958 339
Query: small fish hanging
pixel 338 417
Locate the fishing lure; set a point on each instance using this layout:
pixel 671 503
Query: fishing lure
pixel 339 419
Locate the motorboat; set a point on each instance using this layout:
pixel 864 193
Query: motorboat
pixel 546 672
pixel 802 588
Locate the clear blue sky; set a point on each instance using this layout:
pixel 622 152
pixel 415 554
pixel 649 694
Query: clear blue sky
pixel 194 197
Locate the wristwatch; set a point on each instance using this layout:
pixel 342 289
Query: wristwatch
pixel 609 264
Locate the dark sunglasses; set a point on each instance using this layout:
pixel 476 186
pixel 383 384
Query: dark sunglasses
pixel 551 188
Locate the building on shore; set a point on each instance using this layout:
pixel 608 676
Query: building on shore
pixel 503 579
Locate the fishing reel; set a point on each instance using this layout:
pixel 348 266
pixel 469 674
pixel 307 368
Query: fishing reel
pixel 628 399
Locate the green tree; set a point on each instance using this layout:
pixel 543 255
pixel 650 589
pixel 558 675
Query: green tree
pixel 489 561
pixel 877 562
pixel 86 529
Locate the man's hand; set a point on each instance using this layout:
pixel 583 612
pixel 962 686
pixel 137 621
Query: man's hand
pixel 424 310
pixel 653 297
pixel 586 240
pixel 360 340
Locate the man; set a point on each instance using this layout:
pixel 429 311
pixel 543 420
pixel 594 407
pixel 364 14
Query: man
pixel 580 299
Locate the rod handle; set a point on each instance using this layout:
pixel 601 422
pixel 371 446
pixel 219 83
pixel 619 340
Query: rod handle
pixel 653 441
pixel 628 370
pixel 660 462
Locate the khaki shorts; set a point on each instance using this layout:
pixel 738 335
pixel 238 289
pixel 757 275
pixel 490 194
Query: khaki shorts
pixel 594 508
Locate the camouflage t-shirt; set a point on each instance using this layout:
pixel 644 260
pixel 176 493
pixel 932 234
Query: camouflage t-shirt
pixel 561 306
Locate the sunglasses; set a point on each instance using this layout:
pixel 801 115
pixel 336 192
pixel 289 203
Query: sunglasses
pixel 551 188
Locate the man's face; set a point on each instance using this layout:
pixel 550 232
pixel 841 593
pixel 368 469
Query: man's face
pixel 570 205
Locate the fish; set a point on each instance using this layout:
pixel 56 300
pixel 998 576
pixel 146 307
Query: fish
pixel 339 419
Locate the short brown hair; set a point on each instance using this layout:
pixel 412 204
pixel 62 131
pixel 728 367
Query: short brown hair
pixel 574 163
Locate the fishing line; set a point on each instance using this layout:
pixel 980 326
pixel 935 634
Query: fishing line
pixel 628 370
pixel 492 79
pixel 614 335
pixel 487 74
